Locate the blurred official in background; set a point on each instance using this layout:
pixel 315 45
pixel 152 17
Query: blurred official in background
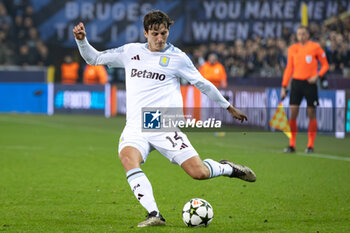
pixel 94 75
pixel 214 71
pixel 302 65
pixel 69 70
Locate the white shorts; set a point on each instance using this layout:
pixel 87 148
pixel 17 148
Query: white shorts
pixel 175 146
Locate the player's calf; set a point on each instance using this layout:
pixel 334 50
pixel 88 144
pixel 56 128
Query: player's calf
pixel 195 168
pixel 199 173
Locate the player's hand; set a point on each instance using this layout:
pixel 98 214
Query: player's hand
pixel 312 80
pixel 237 114
pixel 324 82
pixel 79 31
pixel 283 93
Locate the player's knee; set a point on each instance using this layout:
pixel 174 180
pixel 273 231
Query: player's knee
pixel 129 158
pixel 124 159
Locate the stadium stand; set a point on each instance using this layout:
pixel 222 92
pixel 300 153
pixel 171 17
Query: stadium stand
pixel 20 39
pixel 267 57
pixel 20 44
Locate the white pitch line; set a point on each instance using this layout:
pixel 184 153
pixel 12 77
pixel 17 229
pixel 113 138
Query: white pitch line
pixel 325 156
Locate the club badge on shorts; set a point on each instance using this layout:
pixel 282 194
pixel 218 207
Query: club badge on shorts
pixel 164 61
pixel 308 59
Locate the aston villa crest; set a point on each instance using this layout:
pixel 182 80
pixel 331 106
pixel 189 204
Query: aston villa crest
pixel 164 61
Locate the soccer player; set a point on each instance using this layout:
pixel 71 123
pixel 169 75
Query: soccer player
pixel 152 80
pixel 302 66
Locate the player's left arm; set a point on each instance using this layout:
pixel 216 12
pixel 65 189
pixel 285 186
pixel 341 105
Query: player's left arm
pixel 321 57
pixel 189 72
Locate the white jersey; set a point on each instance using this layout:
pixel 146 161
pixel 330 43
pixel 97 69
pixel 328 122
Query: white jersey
pixel 152 78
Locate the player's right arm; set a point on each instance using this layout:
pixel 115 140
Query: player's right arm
pixel 112 57
pixel 287 73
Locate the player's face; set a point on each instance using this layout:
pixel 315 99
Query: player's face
pixel 157 37
pixel 302 35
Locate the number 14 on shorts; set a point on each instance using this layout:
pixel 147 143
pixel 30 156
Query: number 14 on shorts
pixel 175 140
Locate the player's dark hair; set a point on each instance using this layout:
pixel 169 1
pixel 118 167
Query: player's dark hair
pixel 155 18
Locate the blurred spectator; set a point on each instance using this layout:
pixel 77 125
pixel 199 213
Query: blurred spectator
pixel 4 52
pixel 20 39
pixel 29 11
pixel 315 31
pixel 260 62
pixel 28 23
pixel 6 47
pixel 4 17
pixel 344 58
pixel 95 75
pixel 27 56
pixel 198 57
pixel 238 67
pixel 32 38
pixel 214 71
pixel 335 24
pixel 332 57
pixel 69 71
pixel 44 58
pixel 19 30
pixel 286 33
pixel 18 6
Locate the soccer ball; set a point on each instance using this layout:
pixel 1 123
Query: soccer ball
pixel 197 212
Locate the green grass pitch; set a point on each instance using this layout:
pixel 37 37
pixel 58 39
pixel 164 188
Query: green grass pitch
pixel 62 174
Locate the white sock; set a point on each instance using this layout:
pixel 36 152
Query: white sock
pixel 142 189
pixel 217 169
